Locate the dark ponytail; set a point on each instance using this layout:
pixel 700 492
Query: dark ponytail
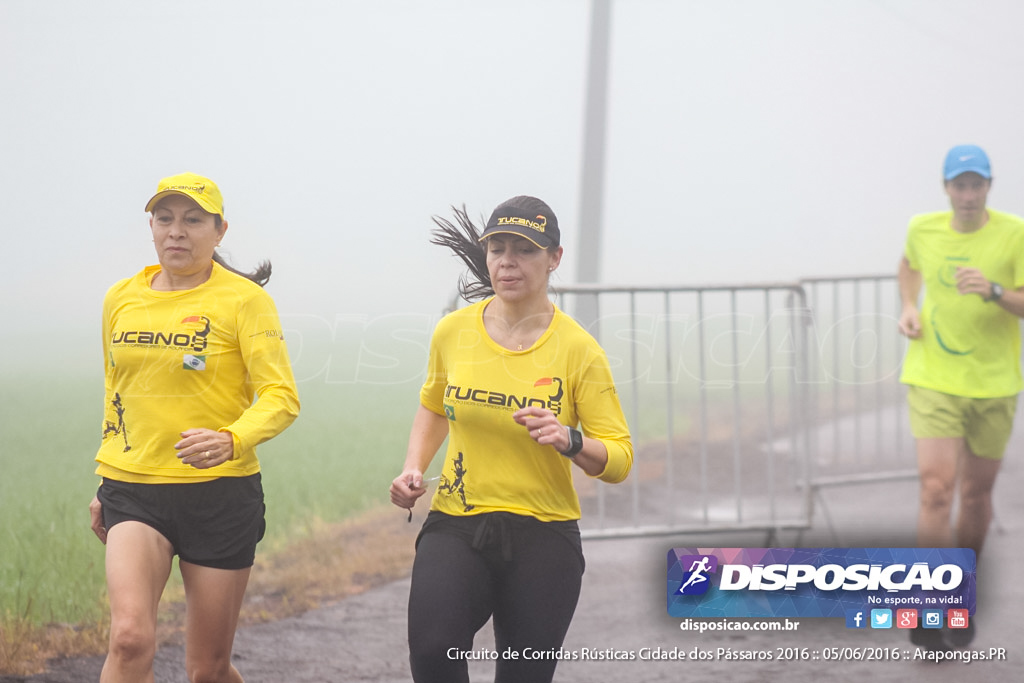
pixel 464 241
pixel 260 276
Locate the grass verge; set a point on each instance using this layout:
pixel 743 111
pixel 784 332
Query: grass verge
pixel 333 561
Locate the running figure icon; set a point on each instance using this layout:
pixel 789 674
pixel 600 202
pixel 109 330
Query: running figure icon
pixel 697 570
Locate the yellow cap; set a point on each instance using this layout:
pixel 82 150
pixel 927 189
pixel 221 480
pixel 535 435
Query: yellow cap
pixel 202 190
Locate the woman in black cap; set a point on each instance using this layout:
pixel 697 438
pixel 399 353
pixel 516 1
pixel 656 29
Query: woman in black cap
pixel 510 378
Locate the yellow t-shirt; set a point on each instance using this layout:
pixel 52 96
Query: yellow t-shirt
pixel 190 359
pixel 491 463
pixel 968 347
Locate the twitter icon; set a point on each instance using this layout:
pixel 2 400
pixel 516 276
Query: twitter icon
pixel 881 618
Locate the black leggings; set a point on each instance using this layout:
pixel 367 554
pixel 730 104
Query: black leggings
pixel 524 572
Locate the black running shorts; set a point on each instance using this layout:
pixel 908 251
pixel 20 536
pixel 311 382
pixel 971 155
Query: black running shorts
pixel 212 524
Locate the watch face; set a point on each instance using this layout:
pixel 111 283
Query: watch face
pixel 575 443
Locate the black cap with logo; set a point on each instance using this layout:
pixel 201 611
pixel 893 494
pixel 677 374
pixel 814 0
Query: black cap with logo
pixel 527 217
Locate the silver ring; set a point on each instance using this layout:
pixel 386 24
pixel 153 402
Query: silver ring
pixel 206 454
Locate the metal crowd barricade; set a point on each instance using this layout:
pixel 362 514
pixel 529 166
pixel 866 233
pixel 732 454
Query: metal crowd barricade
pixel 748 402
pixel 858 426
pixel 712 379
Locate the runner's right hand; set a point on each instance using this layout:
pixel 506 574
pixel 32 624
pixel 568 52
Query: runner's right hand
pixel 407 488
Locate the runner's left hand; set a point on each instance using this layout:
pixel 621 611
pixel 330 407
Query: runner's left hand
pixel 204 448
pixel 543 427
pixel 973 281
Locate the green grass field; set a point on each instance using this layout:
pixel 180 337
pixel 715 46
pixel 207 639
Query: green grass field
pixel 337 459
pixel 50 570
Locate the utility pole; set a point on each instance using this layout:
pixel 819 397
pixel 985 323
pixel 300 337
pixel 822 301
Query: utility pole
pixel 588 265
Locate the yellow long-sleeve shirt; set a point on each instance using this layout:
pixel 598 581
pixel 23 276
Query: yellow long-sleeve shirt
pixel 492 464
pixel 187 359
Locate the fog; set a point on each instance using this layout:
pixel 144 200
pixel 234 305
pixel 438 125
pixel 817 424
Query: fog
pixel 746 140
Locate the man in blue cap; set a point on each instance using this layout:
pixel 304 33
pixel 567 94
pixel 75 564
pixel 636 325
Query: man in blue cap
pixel 962 365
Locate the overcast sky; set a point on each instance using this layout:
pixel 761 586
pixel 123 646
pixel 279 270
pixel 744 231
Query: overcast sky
pixel 747 140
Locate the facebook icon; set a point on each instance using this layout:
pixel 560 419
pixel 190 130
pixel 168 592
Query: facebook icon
pixel 855 618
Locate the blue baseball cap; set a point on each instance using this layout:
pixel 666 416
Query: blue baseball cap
pixel 966 159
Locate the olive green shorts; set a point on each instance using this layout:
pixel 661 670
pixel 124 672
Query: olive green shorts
pixel 985 423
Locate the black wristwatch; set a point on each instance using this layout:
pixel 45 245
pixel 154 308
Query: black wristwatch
pixel 997 292
pixel 575 442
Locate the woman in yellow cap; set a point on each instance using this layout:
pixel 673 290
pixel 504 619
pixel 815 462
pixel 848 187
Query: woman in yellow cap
pixel 189 345
pixel 509 380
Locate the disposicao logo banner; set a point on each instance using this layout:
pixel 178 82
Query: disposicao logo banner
pixel 817 582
